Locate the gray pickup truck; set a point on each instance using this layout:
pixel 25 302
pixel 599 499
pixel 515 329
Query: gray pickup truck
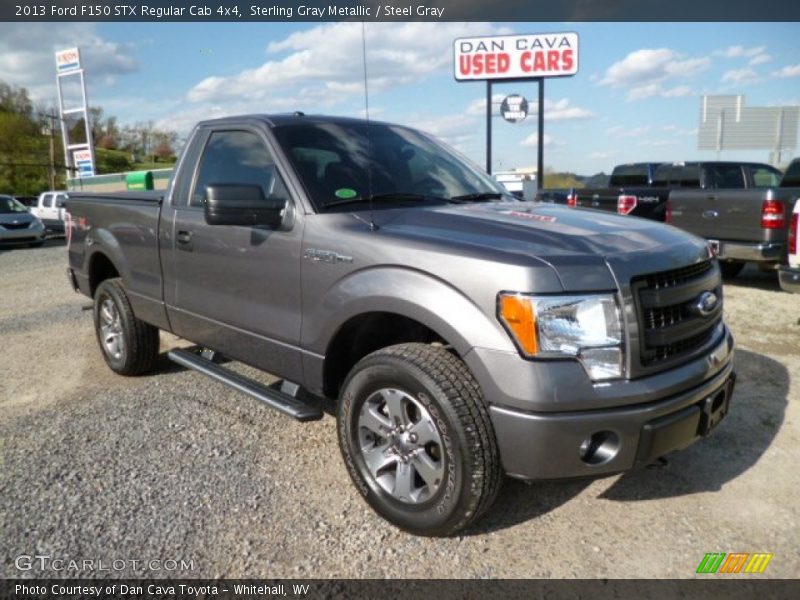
pixel 458 333
pixel 745 216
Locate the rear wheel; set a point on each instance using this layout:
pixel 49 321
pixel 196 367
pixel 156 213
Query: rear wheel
pixel 417 440
pixel 730 269
pixel 129 345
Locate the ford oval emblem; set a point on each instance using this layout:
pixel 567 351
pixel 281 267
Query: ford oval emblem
pixel 706 303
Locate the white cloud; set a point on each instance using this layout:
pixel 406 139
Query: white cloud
pixel 27 55
pixel 759 59
pixel 649 65
pixel 740 76
pixel 678 91
pixel 532 141
pixel 316 72
pixel 457 129
pixel 788 71
pixel 740 51
pixel 478 106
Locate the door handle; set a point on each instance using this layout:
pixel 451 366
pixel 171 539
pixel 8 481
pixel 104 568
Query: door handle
pixel 710 214
pixel 184 239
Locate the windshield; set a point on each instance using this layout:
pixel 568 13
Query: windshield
pixel 341 161
pixel 11 205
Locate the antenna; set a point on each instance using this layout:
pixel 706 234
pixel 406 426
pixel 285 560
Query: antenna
pixel 372 225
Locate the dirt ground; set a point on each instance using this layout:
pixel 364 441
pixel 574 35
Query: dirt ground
pixel 173 466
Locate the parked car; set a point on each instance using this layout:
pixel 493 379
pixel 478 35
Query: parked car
pixel 744 216
pixel 460 334
pixel 18 225
pixel 50 209
pixel 789 275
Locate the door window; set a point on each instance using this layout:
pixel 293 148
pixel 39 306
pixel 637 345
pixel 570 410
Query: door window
pixel 47 202
pixel 237 157
pixel 727 176
pixel 60 199
pixel 765 176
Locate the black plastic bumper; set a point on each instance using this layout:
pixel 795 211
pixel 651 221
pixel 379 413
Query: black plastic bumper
pixel 590 443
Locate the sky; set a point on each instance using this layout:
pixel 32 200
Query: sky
pixel 636 96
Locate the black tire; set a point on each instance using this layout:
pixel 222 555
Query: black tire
pixel 138 351
pixel 469 460
pixel 730 269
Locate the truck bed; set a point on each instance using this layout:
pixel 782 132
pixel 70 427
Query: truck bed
pixel 128 220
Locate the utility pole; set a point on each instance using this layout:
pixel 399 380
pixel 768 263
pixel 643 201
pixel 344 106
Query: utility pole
pixel 50 131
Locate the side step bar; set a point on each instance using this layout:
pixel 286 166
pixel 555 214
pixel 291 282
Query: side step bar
pixel 273 398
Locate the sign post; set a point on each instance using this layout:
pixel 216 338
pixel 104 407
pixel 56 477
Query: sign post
pixel 516 58
pixel 78 157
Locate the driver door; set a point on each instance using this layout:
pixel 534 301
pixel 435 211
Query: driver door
pixel 236 289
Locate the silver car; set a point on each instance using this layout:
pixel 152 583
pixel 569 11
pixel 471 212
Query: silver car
pixel 18 225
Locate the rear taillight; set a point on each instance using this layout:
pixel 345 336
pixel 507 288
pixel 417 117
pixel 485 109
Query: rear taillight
pixel 572 199
pixel 668 212
pixel 793 233
pixel 772 216
pixel 625 204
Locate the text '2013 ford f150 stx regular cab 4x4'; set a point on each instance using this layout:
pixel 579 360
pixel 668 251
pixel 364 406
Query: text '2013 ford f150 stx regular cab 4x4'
pixel 461 334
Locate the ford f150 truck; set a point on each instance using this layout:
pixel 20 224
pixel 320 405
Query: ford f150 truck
pixel 460 334
pixel 631 190
pixel 644 189
pixel 742 225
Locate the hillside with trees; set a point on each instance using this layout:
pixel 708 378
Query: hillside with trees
pixel 32 152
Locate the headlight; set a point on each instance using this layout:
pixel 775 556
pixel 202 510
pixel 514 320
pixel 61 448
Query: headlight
pixel 584 327
pixel 36 224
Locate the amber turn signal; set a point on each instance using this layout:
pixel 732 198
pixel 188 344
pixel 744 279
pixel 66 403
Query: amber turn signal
pixel 517 314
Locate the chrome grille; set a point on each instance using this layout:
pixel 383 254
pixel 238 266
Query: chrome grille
pixel 671 326
pixel 12 226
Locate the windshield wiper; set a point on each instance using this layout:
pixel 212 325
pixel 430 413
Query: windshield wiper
pixel 386 196
pixel 478 197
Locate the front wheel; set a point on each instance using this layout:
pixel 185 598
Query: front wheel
pixel 129 345
pixel 417 440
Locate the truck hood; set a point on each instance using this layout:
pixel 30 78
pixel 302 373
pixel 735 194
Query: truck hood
pixel 572 241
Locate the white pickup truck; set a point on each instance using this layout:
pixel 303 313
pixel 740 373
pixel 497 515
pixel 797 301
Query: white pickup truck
pixel 789 274
pixel 50 209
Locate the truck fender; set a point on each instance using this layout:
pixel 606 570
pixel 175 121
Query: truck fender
pixel 409 293
pixel 102 241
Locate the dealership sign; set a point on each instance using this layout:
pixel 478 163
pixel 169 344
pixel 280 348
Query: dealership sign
pixel 82 159
pixel 516 56
pixel 68 60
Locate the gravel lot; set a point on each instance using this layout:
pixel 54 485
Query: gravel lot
pixel 175 466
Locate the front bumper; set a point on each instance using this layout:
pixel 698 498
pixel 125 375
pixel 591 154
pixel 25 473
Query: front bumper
pixel 556 446
pixel 22 236
pixel 789 278
pixel 759 252
pixel 543 435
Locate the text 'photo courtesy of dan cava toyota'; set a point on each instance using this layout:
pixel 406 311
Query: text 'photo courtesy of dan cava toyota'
pixel 314 299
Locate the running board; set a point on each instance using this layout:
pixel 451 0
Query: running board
pixel 273 398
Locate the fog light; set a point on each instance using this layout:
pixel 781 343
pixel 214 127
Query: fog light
pixel 599 448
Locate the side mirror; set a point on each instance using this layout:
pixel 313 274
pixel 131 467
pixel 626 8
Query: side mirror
pixel 234 204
